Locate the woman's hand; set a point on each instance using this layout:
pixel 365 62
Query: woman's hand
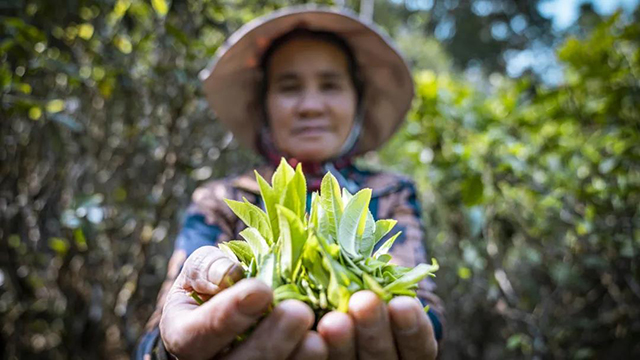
pixel 374 330
pixel 192 331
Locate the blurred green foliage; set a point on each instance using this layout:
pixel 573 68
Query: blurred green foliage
pixel 104 137
pixel 530 194
pixel 532 199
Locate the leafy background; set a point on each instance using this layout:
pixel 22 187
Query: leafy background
pixel 531 189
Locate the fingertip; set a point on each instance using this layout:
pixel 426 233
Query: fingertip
pixel 412 329
pixel 255 297
pixel 405 315
pixel 314 346
pixel 364 302
pixel 337 328
pixel 404 303
pixel 298 310
pixel 335 319
pixel 364 297
pixel 257 284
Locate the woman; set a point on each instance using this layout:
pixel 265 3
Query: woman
pixel 318 87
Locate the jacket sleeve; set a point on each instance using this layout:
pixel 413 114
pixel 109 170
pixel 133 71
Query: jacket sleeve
pixel 207 222
pixel 409 248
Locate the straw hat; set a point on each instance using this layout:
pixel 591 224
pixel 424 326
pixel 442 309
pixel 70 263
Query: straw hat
pixel 231 81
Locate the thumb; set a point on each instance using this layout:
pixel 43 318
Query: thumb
pixel 200 332
pixel 208 270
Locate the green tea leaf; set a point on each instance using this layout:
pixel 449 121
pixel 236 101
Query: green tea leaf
pixel 287 292
pixel 415 275
pixel 253 216
pixel 365 268
pixel 242 250
pixel 374 264
pixel 253 268
pixel 300 185
pixel 385 258
pixel 384 249
pixel 312 261
pixel 406 292
pixel 324 223
pixel 337 294
pixel 389 277
pixel 371 284
pixel 353 221
pixel 296 193
pixel 354 282
pixel 319 274
pixel 333 250
pixel 257 242
pixel 281 178
pixel 270 198
pixel 227 251
pixel 397 270
pixel 315 207
pixel 392 272
pixel 267 271
pixel 331 202
pixel 382 228
pixel 293 236
pixel 346 196
pixel 366 242
pixel 334 267
pixel 353 267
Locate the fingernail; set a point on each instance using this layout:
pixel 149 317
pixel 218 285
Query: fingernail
pixel 219 269
pixel 254 304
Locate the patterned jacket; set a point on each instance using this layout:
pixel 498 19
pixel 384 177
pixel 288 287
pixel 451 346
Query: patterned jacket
pixel 209 221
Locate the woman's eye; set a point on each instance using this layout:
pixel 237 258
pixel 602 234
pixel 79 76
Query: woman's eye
pixel 331 86
pixel 288 87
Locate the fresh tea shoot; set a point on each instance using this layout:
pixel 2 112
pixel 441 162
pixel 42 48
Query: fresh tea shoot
pixel 320 257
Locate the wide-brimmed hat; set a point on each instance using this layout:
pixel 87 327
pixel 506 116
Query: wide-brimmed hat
pixel 232 79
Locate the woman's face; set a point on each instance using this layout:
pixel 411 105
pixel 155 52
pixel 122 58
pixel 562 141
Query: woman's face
pixel 311 100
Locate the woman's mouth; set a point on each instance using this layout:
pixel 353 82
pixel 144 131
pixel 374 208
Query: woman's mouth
pixel 311 131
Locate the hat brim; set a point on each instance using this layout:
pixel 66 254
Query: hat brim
pixel 230 82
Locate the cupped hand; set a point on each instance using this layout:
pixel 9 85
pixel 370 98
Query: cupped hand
pixel 375 330
pixel 192 331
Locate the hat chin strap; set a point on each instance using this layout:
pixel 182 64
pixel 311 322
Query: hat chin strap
pixel 348 147
pixel 353 137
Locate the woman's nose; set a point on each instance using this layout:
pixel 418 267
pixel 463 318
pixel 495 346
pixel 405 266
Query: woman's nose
pixel 311 104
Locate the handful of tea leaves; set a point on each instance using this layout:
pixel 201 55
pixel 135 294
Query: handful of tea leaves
pixel 322 257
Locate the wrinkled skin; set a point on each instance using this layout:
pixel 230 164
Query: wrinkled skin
pixel 190 331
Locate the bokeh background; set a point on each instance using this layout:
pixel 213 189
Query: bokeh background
pixel 524 140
